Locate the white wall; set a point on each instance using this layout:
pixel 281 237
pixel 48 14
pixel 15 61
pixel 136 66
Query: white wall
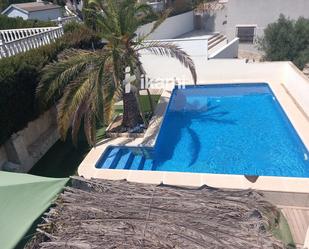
pixel 215 70
pixel 43 15
pixel 46 14
pixel 192 46
pixel 230 50
pixel 17 13
pixel 172 27
pixel 215 21
pixel 297 84
pixel 261 13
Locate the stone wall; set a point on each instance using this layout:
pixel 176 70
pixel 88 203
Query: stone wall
pixel 3 157
pixel 27 146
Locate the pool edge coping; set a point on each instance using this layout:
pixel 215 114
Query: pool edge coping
pixel 265 183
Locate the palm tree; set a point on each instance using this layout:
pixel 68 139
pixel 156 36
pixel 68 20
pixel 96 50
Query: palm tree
pixel 87 82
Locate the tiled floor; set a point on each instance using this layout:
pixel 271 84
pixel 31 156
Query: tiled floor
pixel 295 208
pixel 298 219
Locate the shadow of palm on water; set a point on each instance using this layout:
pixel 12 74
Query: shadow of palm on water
pixel 179 121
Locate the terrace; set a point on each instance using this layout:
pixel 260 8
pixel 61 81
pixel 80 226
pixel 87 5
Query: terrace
pixel 171 184
pixel 288 84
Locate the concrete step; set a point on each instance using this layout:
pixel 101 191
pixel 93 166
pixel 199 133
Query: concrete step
pixel 214 38
pixel 217 41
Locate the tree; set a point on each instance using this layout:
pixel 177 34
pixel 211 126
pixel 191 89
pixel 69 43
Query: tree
pixel 87 82
pixel 287 40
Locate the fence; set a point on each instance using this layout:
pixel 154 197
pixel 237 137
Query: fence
pixel 15 41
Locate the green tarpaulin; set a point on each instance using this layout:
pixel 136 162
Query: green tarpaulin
pixel 23 198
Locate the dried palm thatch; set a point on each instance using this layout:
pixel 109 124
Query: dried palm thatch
pixel 209 6
pixel 117 214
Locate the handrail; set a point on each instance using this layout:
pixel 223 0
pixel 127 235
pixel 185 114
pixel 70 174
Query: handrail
pixel 25 29
pixel 66 19
pixel 15 34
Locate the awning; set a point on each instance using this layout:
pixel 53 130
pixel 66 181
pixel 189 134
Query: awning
pixel 23 199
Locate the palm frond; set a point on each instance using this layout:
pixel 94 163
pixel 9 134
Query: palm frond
pixel 90 127
pixel 92 92
pixel 77 118
pixel 103 95
pixel 157 23
pixel 75 95
pixel 87 83
pixel 56 76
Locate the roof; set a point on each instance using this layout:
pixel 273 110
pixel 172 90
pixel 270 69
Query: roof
pixel 118 214
pixel 32 7
pixel 23 199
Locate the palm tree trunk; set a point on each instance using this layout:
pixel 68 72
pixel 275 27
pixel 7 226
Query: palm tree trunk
pixel 150 101
pixel 131 115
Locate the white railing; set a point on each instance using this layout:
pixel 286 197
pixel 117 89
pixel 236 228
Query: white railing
pixel 156 6
pixel 66 19
pixel 15 41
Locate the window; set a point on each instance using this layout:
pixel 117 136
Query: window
pixel 246 33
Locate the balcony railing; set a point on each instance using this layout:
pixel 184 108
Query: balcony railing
pixel 15 41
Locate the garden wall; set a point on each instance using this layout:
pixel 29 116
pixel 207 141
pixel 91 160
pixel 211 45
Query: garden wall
pixel 159 67
pixel 192 46
pixel 296 84
pixel 3 157
pixel 26 147
pixel 172 27
pixel 230 50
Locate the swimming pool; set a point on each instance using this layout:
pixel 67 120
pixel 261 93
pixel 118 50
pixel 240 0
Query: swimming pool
pixel 220 129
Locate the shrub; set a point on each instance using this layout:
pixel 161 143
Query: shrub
pixel 5 3
pixel 181 6
pixel 81 36
pixel 19 23
pixel 287 40
pixel 19 76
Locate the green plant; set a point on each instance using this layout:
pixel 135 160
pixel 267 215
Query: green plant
pixel 19 23
pixel 287 40
pixel 5 3
pixel 180 6
pixel 80 36
pixel 87 82
pixel 19 77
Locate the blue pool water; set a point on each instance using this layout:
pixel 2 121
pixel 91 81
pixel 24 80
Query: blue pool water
pixel 225 129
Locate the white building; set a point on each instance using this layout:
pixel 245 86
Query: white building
pixel 34 10
pixel 247 19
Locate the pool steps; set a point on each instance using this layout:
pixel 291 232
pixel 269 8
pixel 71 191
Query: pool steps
pixel 124 158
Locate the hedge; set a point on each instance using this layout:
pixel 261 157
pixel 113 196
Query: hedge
pixel 5 3
pixel 19 77
pixel 19 23
pixel 287 39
